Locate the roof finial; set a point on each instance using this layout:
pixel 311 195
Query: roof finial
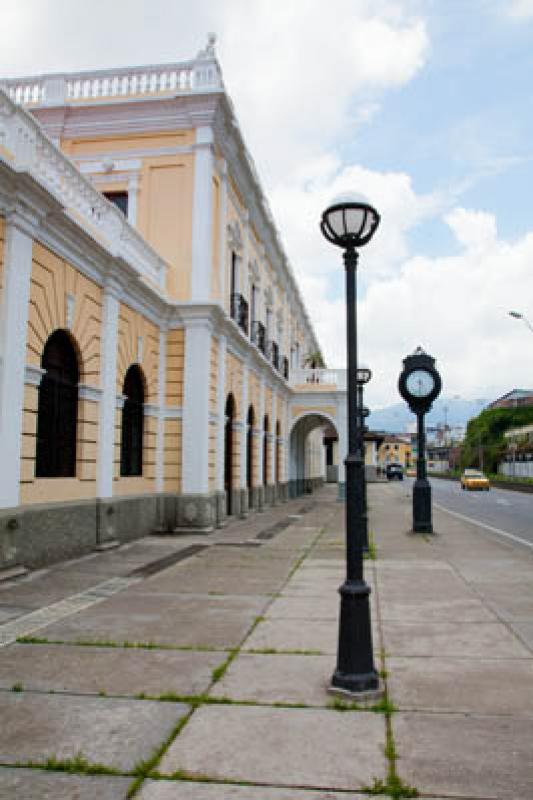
pixel 209 51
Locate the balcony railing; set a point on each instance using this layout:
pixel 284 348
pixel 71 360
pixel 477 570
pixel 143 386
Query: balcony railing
pixel 259 335
pixel 239 311
pixel 28 149
pixel 274 350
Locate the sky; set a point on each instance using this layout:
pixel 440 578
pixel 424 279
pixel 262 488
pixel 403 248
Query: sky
pixel 423 106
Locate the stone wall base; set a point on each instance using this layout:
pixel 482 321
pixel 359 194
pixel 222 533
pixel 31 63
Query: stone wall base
pixel 35 536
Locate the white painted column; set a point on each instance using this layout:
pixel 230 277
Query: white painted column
pixel 272 445
pixel 261 429
pixel 244 438
pixel 223 253
pixel 195 419
pixel 202 210
pixel 161 402
pixel 221 409
pixel 108 403
pixel 13 331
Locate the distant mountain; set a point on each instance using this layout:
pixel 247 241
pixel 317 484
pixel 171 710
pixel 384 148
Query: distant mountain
pixel 446 411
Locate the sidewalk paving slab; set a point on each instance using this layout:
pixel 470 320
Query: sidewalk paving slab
pixel 34 784
pixel 462 685
pixel 278 679
pixel 485 640
pixel 278 745
pixel 115 671
pixel 471 756
pixel 184 620
pixel 114 732
pixel 181 790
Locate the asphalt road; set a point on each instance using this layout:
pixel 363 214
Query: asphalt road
pixel 505 513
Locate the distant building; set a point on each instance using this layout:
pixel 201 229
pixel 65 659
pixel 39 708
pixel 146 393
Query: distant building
pixel 395 449
pixel 517 398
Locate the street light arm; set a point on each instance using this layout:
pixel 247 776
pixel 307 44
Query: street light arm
pixel 519 315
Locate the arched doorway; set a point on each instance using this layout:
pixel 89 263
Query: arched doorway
pixel 250 422
pixel 228 453
pixel 266 464
pixel 57 412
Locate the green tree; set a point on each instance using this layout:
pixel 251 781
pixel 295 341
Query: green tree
pixel 485 444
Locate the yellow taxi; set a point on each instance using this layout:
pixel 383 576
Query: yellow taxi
pixel 474 479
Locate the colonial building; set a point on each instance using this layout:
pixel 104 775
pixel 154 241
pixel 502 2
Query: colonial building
pixel 152 335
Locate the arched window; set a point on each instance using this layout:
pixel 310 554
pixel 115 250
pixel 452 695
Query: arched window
pixel 250 448
pixel 265 450
pixel 228 452
pixel 57 412
pixel 131 446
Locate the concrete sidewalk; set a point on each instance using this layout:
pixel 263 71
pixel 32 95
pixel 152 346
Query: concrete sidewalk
pixel 196 668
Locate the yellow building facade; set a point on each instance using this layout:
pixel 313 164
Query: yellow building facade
pixel 152 334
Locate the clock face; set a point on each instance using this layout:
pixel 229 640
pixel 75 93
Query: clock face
pixel 420 383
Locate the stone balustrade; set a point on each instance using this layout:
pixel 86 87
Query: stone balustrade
pixel 202 74
pixel 24 144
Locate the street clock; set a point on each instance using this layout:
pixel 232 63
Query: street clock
pixel 420 384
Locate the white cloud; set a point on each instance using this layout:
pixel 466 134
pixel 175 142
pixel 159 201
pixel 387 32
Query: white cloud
pixel 308 73
pixel 520 9
pixel 456 308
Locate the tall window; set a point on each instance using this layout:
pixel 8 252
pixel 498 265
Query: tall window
pixel 250 448
pixel 131 446
pixel 228 452
pixel 57 411
pixel 278 452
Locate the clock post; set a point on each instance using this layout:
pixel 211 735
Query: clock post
pixel 420 384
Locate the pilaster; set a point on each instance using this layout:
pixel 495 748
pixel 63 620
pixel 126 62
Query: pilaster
pixel 223 233
pixel 106 437
pixel 221 407
pixel 195 419
pixel 244 431
pixel 202 215
pixel 13 332
pixel 161 389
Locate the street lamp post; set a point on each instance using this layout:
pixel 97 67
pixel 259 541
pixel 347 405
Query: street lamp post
pixel 350 225
pixel 363 376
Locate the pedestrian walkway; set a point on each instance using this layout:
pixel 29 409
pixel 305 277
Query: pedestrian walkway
pixel 197 667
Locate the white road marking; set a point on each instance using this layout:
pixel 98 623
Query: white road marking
pixel 506 534
pixel 503 502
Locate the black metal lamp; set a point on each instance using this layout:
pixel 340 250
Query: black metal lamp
pixel 350 225
pixel 363 376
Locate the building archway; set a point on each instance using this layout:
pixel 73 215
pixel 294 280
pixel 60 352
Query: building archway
pixel 301 478
pixel 228 452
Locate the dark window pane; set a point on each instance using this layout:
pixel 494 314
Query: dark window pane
pixel 57 413
pixel 119 199
pixel 131 447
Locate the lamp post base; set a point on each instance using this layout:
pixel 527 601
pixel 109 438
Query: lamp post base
pixel 422 522
pixel 355 671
